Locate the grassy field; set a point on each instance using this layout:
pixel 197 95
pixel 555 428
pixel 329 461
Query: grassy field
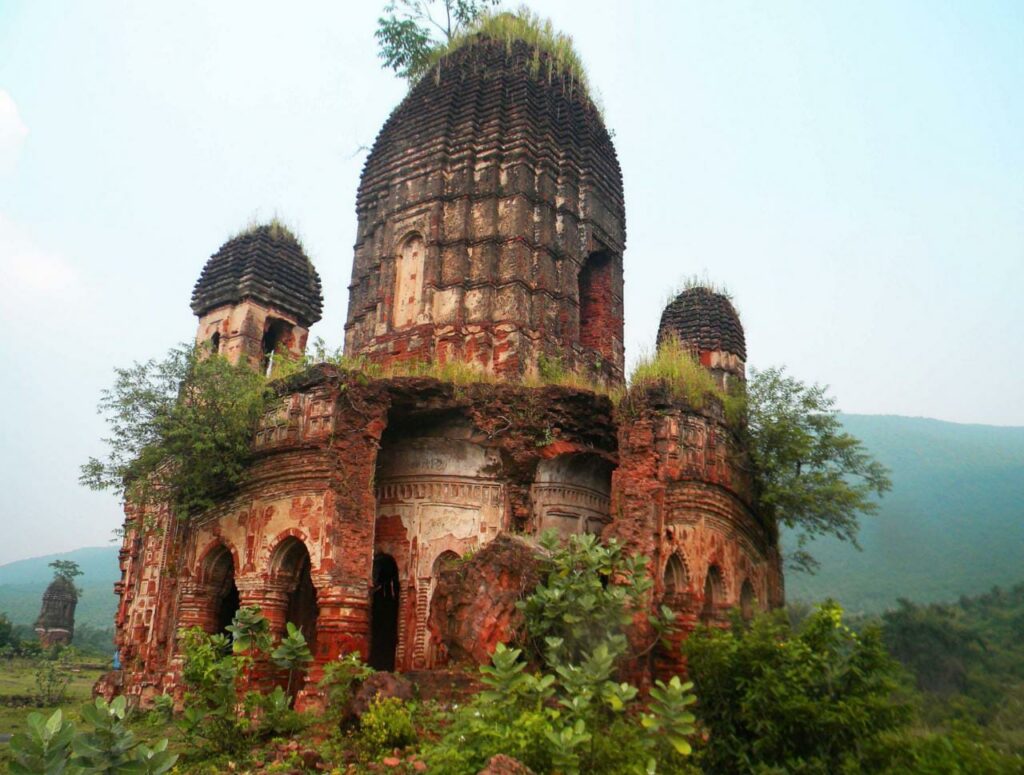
pixel 18 698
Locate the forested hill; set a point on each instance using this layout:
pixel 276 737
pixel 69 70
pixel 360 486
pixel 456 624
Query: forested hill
pixel 22 584
pixel 952 525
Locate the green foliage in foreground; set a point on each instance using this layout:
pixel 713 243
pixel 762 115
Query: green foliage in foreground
pixel 573 715
pixel 53 746
pixel 217 670
pixel 180 429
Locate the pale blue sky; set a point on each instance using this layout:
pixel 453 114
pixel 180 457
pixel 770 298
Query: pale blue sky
pixel 853 172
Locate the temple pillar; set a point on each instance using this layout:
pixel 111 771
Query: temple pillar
pixel 195 608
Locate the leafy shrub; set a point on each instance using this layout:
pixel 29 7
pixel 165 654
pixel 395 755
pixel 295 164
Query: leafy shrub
pixel 573 716
pixel 275 713
pixel 217 674
pixel 211 673
pixel 163 710
pixel 806 701
pixel 962 749
pixel 45 748
pixel 387 724
pixel 292 653
pixel 341 677
pixel 52 678
pixel 180 429
pixel 53 746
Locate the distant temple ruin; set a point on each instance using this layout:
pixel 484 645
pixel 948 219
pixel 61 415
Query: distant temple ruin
pixel 56 622
pixel 491 231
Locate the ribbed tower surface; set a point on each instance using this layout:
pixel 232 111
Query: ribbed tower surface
pixel 491 222
pixel 265 264
pixel 704 320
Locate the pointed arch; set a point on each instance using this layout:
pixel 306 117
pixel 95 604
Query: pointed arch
pixel 410 265
pixel 676 579
pixel 291 565
pixel 714 593
pixel 217 575
pixel 748 600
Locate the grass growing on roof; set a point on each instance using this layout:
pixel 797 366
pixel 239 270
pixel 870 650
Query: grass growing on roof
pixel 550 372
pixel 674 368
pixel 698 282
pixel 527 26
pixel 275 227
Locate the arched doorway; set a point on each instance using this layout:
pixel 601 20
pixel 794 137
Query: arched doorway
pixel 675 582
pixel 384 613
pixel 713 593
pixel 748 600
pixel 219 578
pixel 292 565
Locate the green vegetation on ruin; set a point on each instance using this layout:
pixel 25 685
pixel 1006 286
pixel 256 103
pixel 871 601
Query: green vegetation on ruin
pixel 672 368
pixel 553 52
pixel 275 227
pixel 412 41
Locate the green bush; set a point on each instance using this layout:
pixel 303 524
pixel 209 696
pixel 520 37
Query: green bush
pixel 53 676
pixel 387 724
pixel 963 749
pixel 53 746
pixel 217 672
pixel 180 429
pixel 810 701
pixel 45 748
pixel 341 677
pixel 292 654
pixel 574 715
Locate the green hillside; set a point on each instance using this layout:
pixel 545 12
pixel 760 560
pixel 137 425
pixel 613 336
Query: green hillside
pixel 22 584
pixel 953 524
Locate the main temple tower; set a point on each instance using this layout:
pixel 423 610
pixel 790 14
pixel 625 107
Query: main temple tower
pixel 491 224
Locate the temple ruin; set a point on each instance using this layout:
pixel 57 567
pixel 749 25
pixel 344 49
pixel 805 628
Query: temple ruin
pixel 491 231
pixel 56 622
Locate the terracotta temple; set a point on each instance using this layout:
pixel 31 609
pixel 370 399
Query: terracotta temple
pixel 491 231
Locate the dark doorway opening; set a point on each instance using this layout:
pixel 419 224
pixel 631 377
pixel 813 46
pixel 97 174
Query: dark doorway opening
pixel 291 563
pixel 220 576
pixel 384 613
pixel 748 601
pixel 712 594
pixel 302 607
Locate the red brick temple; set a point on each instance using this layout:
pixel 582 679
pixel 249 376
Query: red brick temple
pixel 491 230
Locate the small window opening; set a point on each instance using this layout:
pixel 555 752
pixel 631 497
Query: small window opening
pixel 274 334
pixel 215 342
